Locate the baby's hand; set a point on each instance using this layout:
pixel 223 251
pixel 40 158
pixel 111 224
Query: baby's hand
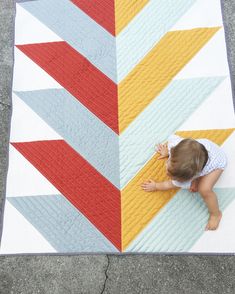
pixel 149 186
pixel 162 150
pixel 194 185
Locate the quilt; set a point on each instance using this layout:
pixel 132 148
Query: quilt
pixel 96 85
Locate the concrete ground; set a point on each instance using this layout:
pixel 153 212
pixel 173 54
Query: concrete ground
pixel 102 273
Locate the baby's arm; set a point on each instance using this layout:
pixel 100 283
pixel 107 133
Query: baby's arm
pixel 151 186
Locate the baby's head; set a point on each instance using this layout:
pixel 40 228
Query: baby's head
pixel 187 158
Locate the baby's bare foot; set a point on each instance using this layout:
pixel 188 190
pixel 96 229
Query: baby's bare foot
pixel 214 221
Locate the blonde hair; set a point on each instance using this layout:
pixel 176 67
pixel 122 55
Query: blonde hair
pixel 187 159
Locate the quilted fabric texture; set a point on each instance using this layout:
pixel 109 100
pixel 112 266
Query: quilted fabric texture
pixel 97 84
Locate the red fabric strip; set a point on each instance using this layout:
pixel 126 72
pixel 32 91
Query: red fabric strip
pixel 79 182
pixel 101 11
pixel 79 77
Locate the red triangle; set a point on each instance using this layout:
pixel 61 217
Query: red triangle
pixel 79 182
pixel 101 11
pixel 79 77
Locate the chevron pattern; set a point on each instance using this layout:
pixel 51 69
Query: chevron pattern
pixel 97 84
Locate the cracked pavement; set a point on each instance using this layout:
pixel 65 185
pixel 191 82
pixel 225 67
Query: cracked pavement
pixel 102 273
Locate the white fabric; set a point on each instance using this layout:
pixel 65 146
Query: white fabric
pixel 217 158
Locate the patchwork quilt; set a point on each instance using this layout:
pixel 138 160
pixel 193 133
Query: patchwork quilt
pixel 96 85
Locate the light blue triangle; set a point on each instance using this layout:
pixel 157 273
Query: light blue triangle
pixel 179 224
pixel 79 127
pixel 146 30
pixel 61 224
pixel 78 30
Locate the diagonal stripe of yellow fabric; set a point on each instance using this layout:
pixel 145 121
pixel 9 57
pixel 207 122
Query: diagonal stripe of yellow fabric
pixel 138 206
pixel 157 69
pixel 125 11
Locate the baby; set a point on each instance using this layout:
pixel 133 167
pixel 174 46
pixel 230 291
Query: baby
pixel 195 165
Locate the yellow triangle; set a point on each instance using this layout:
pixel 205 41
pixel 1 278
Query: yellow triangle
pixel 138 206
pixel 216 135
pixel 157 69
pixel 125 11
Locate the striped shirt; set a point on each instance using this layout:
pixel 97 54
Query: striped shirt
pixel 217 158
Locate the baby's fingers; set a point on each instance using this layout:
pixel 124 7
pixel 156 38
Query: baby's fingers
pixel 161 157
pixel 145 188
pixel 158 147
pixel 145 184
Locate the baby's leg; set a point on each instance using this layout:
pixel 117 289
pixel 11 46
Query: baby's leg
pixel 205 187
